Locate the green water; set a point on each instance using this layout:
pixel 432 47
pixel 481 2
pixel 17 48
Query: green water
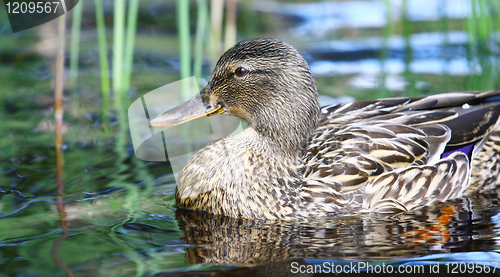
pixel 120 211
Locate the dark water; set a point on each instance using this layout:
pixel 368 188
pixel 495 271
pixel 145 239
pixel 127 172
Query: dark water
pixel 120 211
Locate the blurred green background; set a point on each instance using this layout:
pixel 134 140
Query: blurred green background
pixel 121 210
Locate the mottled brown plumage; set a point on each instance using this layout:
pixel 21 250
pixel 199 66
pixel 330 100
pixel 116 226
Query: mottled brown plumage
pixel 296 160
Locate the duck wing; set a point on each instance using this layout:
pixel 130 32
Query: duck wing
pixel 397 154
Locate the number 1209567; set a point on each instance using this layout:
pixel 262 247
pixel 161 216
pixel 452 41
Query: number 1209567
pixel 472 267
pixel 32 7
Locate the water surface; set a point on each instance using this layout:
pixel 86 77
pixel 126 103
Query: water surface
pixel 120 211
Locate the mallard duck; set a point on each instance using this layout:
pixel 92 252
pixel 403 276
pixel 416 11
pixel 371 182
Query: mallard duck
pixel 297 160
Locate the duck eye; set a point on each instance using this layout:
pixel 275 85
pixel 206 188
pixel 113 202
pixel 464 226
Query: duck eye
pixel 240 71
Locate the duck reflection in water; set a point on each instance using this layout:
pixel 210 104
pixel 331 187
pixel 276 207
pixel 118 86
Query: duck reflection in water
pixel 264 247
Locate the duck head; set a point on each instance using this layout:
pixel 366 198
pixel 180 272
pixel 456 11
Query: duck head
pixel 265 82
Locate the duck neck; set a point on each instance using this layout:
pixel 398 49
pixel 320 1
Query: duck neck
pixel 279 141
pixel 287 132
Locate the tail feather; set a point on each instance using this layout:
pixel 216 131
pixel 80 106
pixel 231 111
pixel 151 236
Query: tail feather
pixel 486 165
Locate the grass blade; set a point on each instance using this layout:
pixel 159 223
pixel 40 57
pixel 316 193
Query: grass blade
pixel 75 44
pixel 118 41
pixel 133 10
pixel 201 21
pixel 103 60
pixel 184 42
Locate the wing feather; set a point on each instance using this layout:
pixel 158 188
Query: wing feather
pixel 387 154
pixel 418 186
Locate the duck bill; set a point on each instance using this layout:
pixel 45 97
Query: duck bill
pixel 199 106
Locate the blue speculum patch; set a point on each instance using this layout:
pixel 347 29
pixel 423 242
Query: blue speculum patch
pixel 467 149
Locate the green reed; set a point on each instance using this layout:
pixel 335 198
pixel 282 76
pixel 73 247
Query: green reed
pixel 184 42
pixel 75 44
pixel 133 10
pixel 482 28
pixel 118 45
pixel 201 32
pixel 123 52
pixel 103 60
